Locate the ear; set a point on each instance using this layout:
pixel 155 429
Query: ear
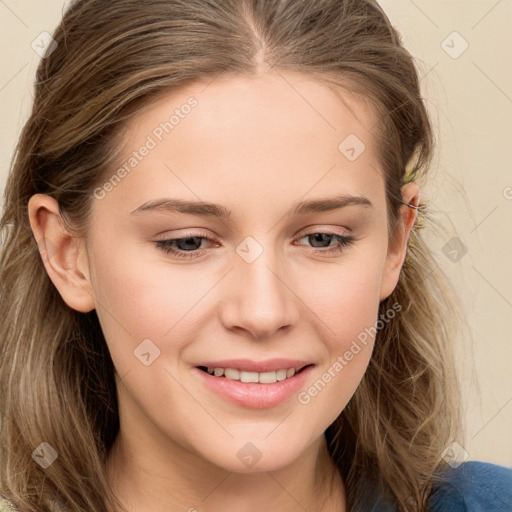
pixel 63 254
pixel 397 248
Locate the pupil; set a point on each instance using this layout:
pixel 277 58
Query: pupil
pixel 319 235
pixel 188 241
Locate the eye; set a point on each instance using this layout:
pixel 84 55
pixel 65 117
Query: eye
pixel 342 241
pixel 184 247
pixel 189 246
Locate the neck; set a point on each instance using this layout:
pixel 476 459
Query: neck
pixel 146 477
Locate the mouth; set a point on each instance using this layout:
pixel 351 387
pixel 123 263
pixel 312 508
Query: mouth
pixel 254 390
pixel 255 377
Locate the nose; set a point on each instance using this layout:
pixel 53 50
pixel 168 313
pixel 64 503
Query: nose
pixel 259 299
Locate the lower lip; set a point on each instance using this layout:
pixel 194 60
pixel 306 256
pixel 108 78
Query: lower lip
pixel 252 394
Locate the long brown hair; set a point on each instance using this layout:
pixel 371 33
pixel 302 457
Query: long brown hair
pixel 113 58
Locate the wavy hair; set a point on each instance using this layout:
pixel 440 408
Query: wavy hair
pixel 114 58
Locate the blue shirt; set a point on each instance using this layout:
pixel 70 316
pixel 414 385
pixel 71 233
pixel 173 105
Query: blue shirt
pixel 473 486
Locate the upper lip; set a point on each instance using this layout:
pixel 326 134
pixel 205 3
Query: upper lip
pixel 269 365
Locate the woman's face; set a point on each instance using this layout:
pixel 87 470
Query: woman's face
pixel 259 277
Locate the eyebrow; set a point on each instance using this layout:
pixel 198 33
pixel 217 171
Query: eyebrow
pixel 202 208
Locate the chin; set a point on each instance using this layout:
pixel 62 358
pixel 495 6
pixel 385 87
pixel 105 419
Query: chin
pixel 253 457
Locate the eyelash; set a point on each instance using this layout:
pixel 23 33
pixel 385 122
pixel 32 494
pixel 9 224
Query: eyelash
pixel 167 245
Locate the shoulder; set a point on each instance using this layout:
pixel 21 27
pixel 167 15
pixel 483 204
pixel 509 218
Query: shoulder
pixel 5 506
pixel 473 486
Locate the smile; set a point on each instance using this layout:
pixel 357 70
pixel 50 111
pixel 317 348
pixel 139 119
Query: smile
pixel 248 390
pixel 246 376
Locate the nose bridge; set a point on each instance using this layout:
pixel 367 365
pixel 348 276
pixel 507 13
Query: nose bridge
pixel 261 301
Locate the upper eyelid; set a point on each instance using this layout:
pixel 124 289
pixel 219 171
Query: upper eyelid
pixel 312 229
pixel 343 241
pixel 189 232
pixel 213 239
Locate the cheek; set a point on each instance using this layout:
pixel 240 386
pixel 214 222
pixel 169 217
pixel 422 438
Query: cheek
pixel 347 304
pixel 345 298
pixel 143 298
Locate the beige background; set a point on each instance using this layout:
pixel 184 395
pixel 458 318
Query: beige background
pixel 470 100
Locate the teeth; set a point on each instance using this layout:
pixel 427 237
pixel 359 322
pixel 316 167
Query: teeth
pixel 249 376
pixel 231 373
pixel 243 376
pixel 281 374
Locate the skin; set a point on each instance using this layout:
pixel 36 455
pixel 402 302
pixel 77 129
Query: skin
pixel 257 147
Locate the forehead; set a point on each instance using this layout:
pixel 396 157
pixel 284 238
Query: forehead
pixel 281 133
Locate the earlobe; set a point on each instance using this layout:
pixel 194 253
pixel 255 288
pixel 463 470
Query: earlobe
pixel 397 249
pixel 63 254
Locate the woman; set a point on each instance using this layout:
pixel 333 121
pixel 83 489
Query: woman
pixel 260 369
